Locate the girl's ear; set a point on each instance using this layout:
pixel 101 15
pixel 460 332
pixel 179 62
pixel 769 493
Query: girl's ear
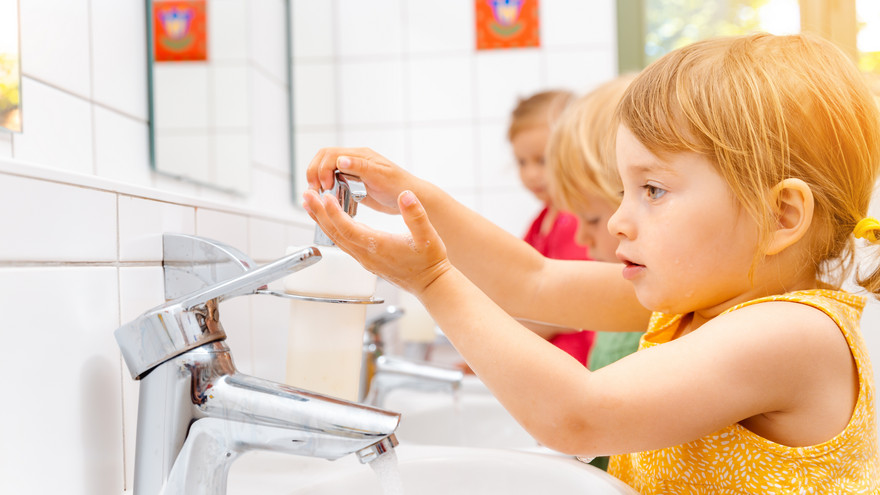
pixel 794 214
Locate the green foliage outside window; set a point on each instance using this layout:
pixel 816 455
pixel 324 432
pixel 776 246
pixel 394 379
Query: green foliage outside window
pixel 672 24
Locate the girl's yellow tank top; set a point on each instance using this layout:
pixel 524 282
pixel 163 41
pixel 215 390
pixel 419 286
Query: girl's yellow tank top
pixel 734 460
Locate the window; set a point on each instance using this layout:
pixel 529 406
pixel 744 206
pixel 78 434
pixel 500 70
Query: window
pixel 648 29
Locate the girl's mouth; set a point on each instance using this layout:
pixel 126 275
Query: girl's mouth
pixel 631 270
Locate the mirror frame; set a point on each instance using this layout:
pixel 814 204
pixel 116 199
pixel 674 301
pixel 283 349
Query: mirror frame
pixel 151 107
pixel 16 71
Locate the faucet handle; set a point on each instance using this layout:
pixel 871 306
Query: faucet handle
pixel 192 320
pixel 349 190
pixel 252 280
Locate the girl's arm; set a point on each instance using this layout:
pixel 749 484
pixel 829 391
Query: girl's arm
pixel 784 368
pixel 568 294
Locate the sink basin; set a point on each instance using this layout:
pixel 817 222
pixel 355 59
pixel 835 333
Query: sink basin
pixel 423 470
pixel 473 418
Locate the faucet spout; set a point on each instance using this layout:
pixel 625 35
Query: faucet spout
pixel 395 373
pixel 198 414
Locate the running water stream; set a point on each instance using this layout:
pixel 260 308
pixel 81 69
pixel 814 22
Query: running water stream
pixel 387 471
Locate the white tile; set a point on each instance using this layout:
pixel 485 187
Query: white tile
pixel 55 44
pixel 67 356
pixel 270 326
pixel 498 166
pixel 390 143
pixel 47 221
pixel 313 28
pixel 314 94
pixel 180 96
pixel 372 92
pixel 119 55
pixel 57 129
pixel 142 223
pixel 430 28
pixel 268 37
pixel 227 20
pixel 513 211
pixel 232 160
pixel 174 185
pixel 186 155
pixel 440 88
pixel 230 96
pixel 369 28
pixel 504 76
pixel 227 228
pixel 580 70
pixel 275 192
pixel 270 129
pixel 122 147
pixel 578 23
pixel 268 240
pixel 444 156
pixel 5 144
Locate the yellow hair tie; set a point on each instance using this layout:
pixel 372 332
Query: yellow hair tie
pixel 867 228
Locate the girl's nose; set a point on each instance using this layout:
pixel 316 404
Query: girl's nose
pixel 618 225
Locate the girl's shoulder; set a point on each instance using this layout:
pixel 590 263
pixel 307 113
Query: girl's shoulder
pixel 843 308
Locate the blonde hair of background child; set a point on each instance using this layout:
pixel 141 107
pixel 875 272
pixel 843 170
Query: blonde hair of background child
pixel 580 151
pixel 540 109
pixel 765 108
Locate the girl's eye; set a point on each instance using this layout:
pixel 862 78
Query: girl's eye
pixel 654 192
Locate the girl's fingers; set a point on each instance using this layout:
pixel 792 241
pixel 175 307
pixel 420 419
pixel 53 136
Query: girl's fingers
pixel 416 219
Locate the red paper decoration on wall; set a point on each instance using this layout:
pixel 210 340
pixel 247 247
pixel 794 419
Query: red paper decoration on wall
pixel 507 24
pixel 180 30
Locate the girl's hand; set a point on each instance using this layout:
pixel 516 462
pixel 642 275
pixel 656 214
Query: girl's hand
pixel 411 261
pixel 383 179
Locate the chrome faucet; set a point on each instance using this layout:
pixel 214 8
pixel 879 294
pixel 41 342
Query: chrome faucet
pixel 196 412
pixel 381 374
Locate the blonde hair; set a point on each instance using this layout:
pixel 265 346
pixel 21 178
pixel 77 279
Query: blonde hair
pixel 764 108
pixel 580 151
pixel 540 109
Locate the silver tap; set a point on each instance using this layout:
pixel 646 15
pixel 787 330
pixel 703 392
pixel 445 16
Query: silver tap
pixel 197 413
pixel 381 374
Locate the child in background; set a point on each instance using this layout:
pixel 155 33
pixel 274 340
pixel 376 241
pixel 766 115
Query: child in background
pixel 583 179
pixel 747 166
pixel 552 231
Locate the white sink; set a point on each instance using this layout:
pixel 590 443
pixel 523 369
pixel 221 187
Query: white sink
pixel 473 418
pixel 424 470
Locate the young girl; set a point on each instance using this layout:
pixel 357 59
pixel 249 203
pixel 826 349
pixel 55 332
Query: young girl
pixel 747 167
pixel 552 231
pixel 583 179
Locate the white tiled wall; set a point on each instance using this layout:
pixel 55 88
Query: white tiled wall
pixel 404 78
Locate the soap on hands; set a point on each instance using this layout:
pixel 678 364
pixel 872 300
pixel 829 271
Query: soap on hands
pixel 325 340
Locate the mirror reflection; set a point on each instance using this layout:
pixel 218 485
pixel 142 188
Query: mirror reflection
pixel 10 67
pixel 207 80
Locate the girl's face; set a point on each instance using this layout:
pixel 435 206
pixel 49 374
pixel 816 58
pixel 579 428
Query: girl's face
pixel 528 147
pixel 687 244
pixel 593 214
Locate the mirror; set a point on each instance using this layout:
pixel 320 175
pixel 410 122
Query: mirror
pixel 219 90
pixel 10 67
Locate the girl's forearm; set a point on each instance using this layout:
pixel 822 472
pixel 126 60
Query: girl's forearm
pixel 536 395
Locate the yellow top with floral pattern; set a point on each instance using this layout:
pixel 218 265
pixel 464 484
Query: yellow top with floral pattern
pixel 735 460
